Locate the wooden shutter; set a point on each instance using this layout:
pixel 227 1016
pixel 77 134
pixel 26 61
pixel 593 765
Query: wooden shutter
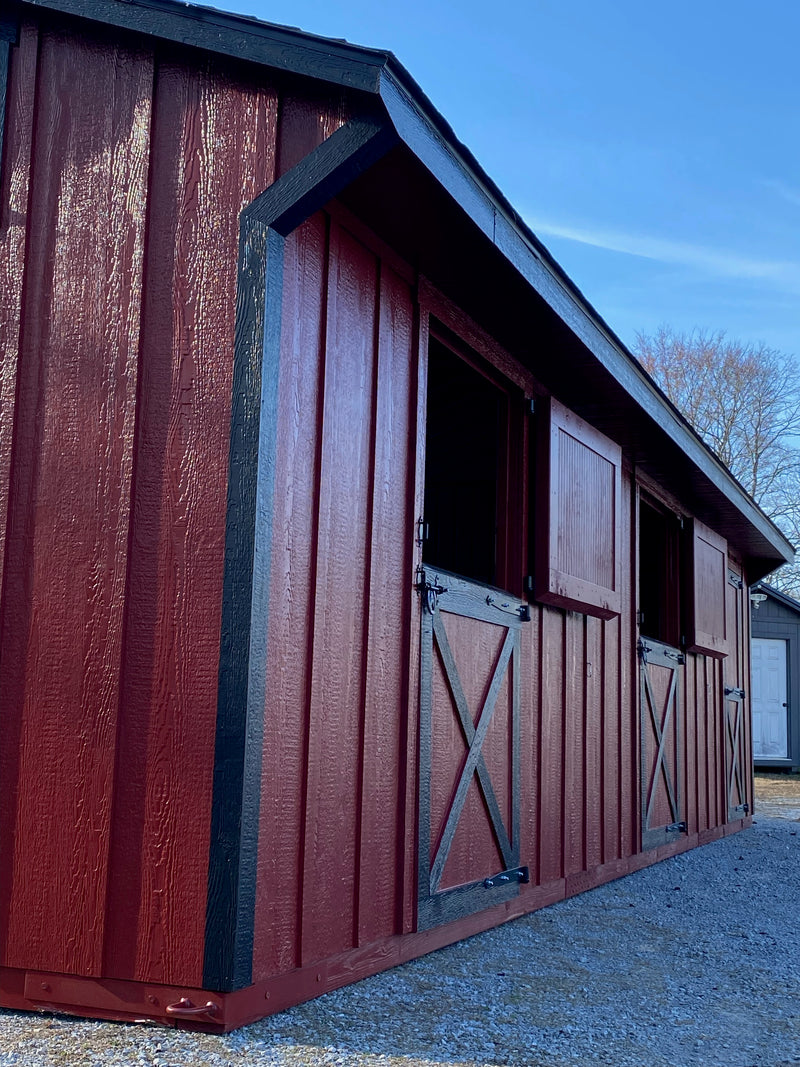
pixel 708 581
pixel 578 549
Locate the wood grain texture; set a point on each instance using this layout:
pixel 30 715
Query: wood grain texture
pixel 342 567
pixel 578 530
pixel 67 551
pixel 213 151
pixel 291 615
pixel 14 210
pixel 307 118
pixel 552 759
pixel 387 637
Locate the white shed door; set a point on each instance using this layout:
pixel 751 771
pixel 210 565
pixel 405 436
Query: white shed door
pixel 770 712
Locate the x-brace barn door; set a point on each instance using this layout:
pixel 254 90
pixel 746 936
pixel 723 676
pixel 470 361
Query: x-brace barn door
pixel 468 831
pixel 659 696
pixel 735 779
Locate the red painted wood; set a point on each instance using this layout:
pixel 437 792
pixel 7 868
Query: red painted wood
pixel 703 684
pixel 707 598
pixel 552 760
pixel 14 209
pixel 611 786
pixel 693 751
pixel 212 145
pixel 291 613
pixel 574 725
pixel 388 638
pixel 629 813
pixel 594 799
pixel 530 743
pixel 578 549
pixel 307 118
pixel 68 531
pixel 337 843
pixel 329 887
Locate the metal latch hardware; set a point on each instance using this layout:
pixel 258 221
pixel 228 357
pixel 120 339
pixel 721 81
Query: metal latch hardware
pixel 735 580
pixel 517 874
pixel 733 693
pixel 676 828
pixel 522 610
pixel 186 1009
pixel 431 591
pixel 677 656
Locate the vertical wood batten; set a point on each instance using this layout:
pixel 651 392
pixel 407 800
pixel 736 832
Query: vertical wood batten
pixel 211 149
pixel 18 113
pixel 292 605
pixel 339 656
pixel 388 633
pixel 14 219
pixel 73 457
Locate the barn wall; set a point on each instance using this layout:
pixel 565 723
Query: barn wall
pixel 125 169
pixel 338 821
pixel 115 397
pixel 333 808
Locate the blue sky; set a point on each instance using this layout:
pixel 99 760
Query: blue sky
pixel 653 147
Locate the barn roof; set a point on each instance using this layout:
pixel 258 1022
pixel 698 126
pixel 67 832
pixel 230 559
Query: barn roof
pixel 627 403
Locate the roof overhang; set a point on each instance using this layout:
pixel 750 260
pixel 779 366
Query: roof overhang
pixel 433 143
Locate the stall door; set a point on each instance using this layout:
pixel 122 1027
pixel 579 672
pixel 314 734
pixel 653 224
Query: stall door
pixel 659 695
pixel 469 747
pixel 736 775
pixel 770 700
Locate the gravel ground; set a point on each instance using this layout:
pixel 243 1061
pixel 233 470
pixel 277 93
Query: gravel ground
pixel 688 963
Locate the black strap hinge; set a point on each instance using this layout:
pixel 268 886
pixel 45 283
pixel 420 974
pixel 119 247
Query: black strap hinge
pixel 676 828
pixel 516 874
pixel 733 692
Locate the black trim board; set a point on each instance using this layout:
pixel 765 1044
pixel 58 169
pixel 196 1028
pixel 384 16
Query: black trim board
pixel 233 851
pixel 238 36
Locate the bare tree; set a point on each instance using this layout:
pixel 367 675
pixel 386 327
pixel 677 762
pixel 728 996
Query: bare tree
pixel 744 401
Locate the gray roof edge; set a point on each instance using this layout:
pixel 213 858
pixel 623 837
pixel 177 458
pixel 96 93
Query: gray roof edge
pixel 776 594
pixel 433 141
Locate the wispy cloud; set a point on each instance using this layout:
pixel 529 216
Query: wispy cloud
pixel 782 274
pixel 784 191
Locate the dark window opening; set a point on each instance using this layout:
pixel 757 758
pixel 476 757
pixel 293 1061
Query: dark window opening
pixel 465 468
pixel 659 573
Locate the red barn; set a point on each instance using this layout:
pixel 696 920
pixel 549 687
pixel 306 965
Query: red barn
pixel 360 591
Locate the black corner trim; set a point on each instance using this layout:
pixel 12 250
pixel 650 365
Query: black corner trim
pixel 233 851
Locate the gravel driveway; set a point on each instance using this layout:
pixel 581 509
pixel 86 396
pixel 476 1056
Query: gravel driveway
pixel 690 962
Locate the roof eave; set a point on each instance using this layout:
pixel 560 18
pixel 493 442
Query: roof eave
pixel 433 141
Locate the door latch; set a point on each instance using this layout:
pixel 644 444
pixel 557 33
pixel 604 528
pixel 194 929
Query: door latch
pixel 431 591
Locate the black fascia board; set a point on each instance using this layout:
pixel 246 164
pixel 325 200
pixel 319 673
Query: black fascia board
pixel 433 142
pixel 239 36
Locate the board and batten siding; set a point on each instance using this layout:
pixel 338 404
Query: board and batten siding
pixel 126 166
pixel 338 824
pixel 115 413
